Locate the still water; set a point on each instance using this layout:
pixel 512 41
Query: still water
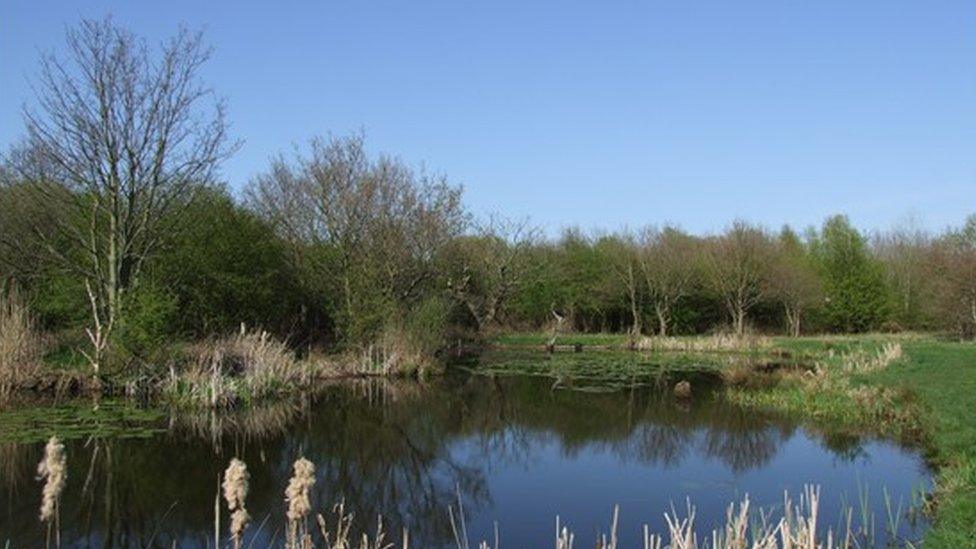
pixel 515 450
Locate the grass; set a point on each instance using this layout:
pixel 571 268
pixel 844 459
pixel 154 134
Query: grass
pixel 941 375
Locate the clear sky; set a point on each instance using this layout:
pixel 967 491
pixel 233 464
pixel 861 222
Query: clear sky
pixel 598 114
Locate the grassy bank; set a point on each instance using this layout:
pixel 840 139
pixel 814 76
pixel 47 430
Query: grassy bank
pixel 928 394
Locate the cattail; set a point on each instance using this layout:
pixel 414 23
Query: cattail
pixel 297 493
pixel 297 497
pixel 235 491
pixel 53 469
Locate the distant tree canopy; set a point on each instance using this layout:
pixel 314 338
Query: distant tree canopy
pixel 114 220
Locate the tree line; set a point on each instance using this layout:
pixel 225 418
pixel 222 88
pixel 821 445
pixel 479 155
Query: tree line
pixel 115 220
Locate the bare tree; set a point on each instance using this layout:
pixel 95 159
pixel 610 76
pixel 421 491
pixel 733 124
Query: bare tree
pixel 668 265
pixel 368 230
pixel 904 253
pixel 737 265
pixel 117 142
pixel 490 266
pixel 954 258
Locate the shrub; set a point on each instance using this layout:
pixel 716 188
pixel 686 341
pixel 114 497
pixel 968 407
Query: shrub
pixel 146 322
pixel 411 345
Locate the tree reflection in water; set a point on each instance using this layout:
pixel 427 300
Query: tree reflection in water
pixel 401 449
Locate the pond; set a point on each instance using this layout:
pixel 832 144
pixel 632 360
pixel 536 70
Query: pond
pixel 517 451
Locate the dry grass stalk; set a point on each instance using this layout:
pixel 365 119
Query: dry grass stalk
pixel 235 487
pixel 298 498
pixel 20 343
pixel 705 344
pixel 248 364
pixel 797 529
pixel 861 361
pixel 53 469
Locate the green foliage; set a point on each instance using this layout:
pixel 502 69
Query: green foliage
pixel 147 322
pixel 427 325
pixel 58 298
pixel 856 297
pixel 225 267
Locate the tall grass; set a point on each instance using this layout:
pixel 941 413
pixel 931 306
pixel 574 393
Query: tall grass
pixel 248 365
pixel 713 343
pixel 20 342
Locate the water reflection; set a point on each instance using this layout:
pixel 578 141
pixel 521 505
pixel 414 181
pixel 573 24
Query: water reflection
pixel 406 450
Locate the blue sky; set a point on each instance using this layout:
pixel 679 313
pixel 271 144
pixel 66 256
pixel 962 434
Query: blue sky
pixel 598 114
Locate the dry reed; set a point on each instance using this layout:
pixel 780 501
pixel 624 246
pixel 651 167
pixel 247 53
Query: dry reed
pixel 798 528
pixel 706 344
pixel 20 343
pixel 247 365
pixel 863 361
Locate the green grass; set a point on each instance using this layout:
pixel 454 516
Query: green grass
pixel 942 376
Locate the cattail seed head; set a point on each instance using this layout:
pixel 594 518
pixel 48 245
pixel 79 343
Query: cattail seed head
pixel 235 487
pixel 54 471
pixel 297 493
pixel 235 484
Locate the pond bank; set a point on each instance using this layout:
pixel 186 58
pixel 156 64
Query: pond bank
pixel 926 395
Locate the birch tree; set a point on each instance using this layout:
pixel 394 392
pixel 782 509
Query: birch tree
pixel 120 136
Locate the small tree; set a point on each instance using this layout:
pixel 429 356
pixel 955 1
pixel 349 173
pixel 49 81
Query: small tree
pixel 119 138
pixel 488 267
pixel 737 270
pixel 793 280
pixel 366 231
pixel 856 298
pixel 624 261
pixel 669 266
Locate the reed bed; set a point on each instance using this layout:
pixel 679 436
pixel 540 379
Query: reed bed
pixel 246 366
pixel 20 343
pixel 705 344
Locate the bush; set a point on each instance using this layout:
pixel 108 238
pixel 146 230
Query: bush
pixel 146 323
pixel 411 345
